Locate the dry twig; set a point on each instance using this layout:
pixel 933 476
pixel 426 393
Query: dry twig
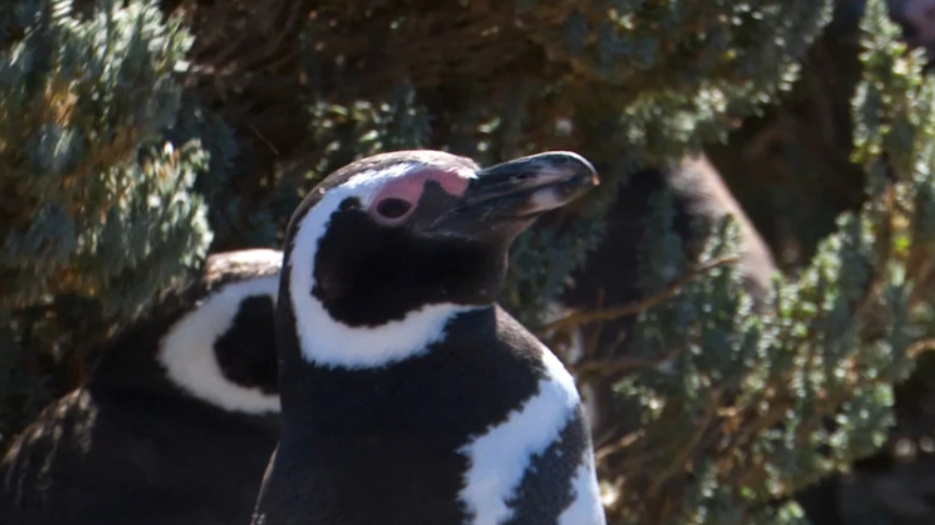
pixel 585 317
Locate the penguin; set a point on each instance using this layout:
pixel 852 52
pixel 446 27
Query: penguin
pixel 177 421
pixel 419 400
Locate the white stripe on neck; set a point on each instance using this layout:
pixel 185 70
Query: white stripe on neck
pixel 254 256
pixel 327 342
pixel 187 351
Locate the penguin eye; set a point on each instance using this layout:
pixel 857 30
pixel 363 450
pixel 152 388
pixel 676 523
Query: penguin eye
pixel 391 208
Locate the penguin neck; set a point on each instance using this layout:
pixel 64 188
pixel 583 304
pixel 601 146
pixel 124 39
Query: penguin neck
pixel 469 358
pixel 323 341
pixel 186 347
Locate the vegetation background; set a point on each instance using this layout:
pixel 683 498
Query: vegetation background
pixel 137 136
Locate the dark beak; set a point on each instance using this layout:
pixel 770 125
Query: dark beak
pixel 513 194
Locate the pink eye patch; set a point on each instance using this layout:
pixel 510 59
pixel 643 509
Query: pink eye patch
pixel 409 187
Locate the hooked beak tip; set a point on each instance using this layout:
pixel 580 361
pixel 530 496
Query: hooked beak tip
pixel 545 180
pixel 524 188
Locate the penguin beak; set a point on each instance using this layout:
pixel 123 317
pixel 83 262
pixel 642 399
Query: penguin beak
pixel 514 193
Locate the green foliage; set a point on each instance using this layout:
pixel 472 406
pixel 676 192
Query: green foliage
pixel 232 223
pixel 642 99
pixel 693 80
pixel 347 132
pixel 735 417
pixel 78 101
pixel 340 133
pixel 94 204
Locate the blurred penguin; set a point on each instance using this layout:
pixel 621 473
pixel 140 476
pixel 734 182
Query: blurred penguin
pixel 609 276
pixel 178 420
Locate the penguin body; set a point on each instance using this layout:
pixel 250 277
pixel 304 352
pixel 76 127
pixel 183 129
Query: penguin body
pixel 418 400
pixel 176 423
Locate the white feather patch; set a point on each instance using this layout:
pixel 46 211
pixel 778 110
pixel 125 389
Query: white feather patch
pixel 187 351
pixel 253 256
pixel 573 354
pixel 586 508
pixel 327 342
pixel 500 457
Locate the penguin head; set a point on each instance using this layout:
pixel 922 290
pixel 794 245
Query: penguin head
pixel 397 243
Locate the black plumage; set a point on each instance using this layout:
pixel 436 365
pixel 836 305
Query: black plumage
pixel 377 433
pixel 132 446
